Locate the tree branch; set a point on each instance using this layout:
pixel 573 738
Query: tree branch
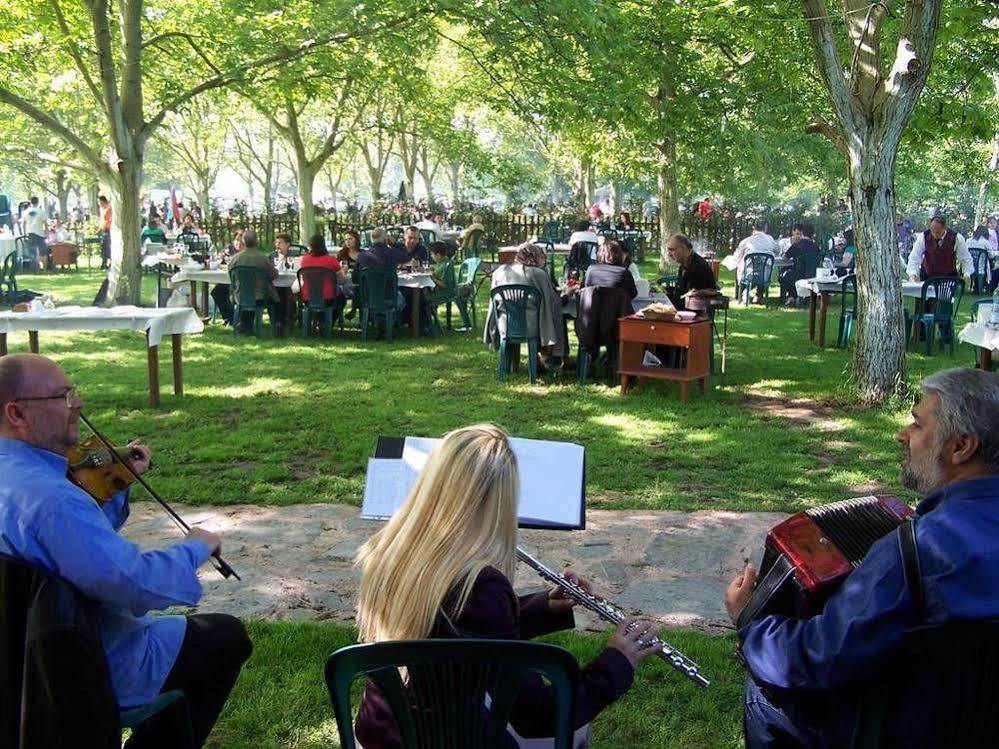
pixel 821 126
pixel 189 38
pixel 827 57
pixel 75 54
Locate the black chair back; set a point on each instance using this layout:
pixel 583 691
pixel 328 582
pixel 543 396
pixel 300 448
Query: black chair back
pixel 980 269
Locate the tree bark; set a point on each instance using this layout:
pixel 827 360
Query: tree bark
pixel 668 193
pixel 62 185
pixel 454 177
pixel 125 276
pixel 306 173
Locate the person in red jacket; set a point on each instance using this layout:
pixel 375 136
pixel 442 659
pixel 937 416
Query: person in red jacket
pixel 318 257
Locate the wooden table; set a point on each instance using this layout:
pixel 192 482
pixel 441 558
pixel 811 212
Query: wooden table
pixel 818 301
pixel 695 337
pixel 155 323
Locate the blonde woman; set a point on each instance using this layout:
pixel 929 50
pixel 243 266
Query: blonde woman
pixel 442 567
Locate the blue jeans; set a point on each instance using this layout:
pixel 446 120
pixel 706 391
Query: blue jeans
pixel 811 722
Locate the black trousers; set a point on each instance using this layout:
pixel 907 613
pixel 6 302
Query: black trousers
pixel 214 650
pixel 220 294
pixel 105 237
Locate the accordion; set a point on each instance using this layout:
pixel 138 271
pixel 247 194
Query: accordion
pixel 808 556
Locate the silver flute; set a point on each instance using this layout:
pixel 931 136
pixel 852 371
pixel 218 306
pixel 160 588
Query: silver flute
pixel 610 613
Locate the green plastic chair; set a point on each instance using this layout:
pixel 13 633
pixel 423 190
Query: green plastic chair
pixel 847 311
pixel 960 660
pixel 8 278
pixel 447 295
pixel 243 283
pixel 757 272
pixel 513 302
pixel 428 236
pixel 946 298
pixel 379 289
pixel 443 703
pixel 467 290
pixel 314 279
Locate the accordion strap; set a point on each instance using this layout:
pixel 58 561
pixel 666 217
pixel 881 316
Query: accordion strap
pixel 910 562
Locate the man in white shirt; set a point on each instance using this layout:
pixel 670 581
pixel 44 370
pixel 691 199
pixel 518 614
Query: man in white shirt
pixel 758 241
pixel 428 224
pixel 939 251
pixel 34 228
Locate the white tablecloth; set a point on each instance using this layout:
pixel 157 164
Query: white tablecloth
pixel 979 334
pixel 807 286
pixel 285 278
pixel 158 322
pixel 149 261
pixel 416 281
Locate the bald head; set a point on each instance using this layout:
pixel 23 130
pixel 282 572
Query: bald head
pixel 33 402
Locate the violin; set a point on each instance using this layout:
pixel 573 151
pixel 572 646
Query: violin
pixel 99 472
pixel 108 470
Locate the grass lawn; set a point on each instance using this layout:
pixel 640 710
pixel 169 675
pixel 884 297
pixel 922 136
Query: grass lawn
pixel 288 421
pixel 280 699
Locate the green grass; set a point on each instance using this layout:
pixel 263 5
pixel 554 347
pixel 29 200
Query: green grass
pixel 287 421
pixel 280 699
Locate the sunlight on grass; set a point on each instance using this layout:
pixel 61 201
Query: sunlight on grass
pixel 258 386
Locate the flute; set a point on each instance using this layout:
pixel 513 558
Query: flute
pixel 610 613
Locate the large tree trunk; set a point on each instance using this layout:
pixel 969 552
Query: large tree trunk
pixel 879 349
pixel 454 177
pixel 125 276
pixel 62 185
pixel 668 193
pixel 306 208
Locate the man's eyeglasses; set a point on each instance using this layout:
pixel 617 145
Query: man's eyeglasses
pixel 69 396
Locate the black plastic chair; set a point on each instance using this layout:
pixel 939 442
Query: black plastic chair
pixel 959 662
pixel 312 282
pixel 981 270
pixel 946 299
pixel 8 278
pixel 243 284
pixel 847 311
pixel 379 291
pixel 46 626
pixel 444 702
pixel 805 266
pixel 757 272
pixel 513 302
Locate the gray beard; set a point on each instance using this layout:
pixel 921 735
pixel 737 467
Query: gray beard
pixel 922 479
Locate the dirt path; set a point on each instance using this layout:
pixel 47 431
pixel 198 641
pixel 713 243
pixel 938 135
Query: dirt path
pixel 297 562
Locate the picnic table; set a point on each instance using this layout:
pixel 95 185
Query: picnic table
pixel 155 322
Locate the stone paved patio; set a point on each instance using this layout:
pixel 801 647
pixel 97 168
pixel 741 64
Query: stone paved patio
pixel 297 562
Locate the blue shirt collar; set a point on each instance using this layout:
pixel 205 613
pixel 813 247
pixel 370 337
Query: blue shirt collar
pixel 986 487
pixel 18 449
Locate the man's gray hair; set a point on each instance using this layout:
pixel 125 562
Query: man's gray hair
pixel 378 234
pixel 969 404
pixel 250 238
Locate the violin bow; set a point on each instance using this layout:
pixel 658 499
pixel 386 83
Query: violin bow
pixel 217 561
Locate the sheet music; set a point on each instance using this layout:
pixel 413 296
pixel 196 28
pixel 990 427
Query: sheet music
pixel 551 480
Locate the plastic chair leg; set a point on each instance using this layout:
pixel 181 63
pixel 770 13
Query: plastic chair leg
pixel 306 322
pixel 501 362
pixel 364 323
pixel 532 358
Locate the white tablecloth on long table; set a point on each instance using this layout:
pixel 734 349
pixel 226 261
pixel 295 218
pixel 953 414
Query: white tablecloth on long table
pixel 977 333
pixel 285 278
pixel 416 281
pixel 806 286
pixel 157 322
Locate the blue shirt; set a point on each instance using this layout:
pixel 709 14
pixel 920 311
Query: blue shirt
pixel 50 522
pixel 957 538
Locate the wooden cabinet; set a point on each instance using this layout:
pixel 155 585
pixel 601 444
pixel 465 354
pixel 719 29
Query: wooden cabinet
pixel 694 358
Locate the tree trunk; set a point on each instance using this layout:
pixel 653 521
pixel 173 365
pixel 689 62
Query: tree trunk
pixel 62 193
pixel 669 210
pixel 306 208
pixel 879 348
pixel 125 276
pixel 454 177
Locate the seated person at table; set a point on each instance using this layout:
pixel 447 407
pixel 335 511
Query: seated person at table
pixel 980 241
pixel 624 223
pixel 806 674
pixel 318 257
pixel 438 254
pixel 351 249
pixel 380 253
pixel 153 233
pixel 48 521
pixel 849 261
pixel 695 273
pixel 528 268
pixel 802 246
pixel 609 271
pixel 758 241
pixel 939 251
pixel 427 223
pixel 416 251
pixel 252 257
pixel 282 244
pixel 189 226
pixel 443 566
pixel 583 233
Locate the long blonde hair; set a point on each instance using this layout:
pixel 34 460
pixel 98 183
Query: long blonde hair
pixel 460 516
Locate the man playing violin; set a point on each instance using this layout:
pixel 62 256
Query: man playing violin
pixel 50 522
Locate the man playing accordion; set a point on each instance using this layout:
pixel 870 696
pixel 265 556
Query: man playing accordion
pixel 807 675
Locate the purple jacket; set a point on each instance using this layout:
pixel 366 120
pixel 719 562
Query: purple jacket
pixel 494 611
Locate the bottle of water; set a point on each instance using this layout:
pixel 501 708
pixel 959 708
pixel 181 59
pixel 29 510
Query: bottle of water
pixel 827 263
pixel 994 317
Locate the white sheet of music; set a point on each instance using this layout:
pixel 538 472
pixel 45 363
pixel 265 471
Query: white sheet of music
pixel 551 481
